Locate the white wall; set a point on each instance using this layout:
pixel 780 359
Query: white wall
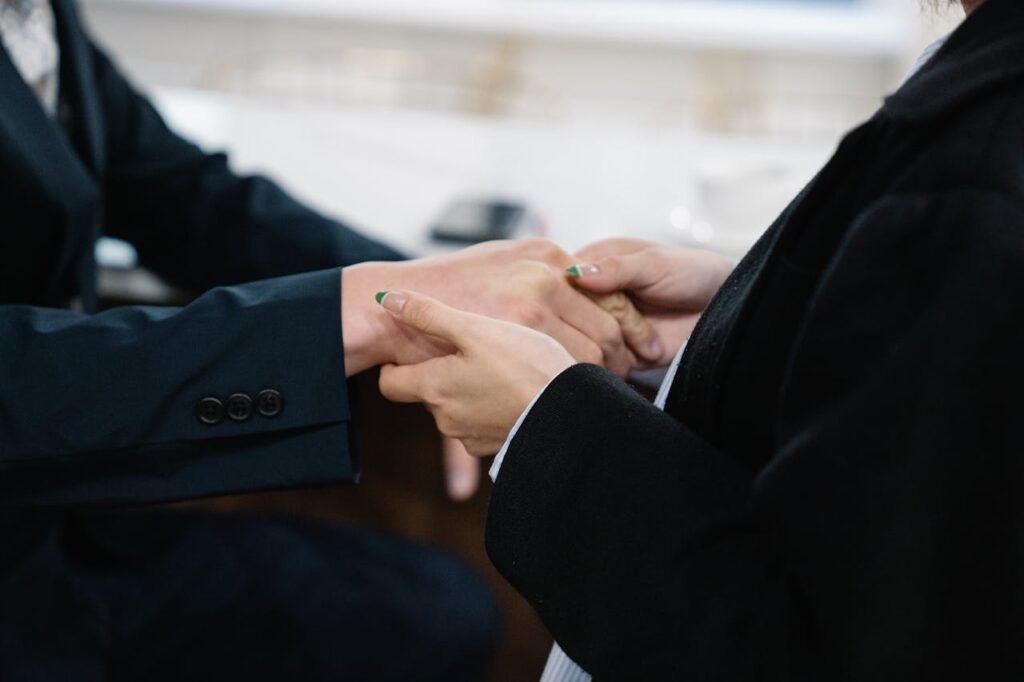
pixel 606 116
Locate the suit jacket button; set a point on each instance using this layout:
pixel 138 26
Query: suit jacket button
pixel 269 403
pixel 239 407
pixel 210 411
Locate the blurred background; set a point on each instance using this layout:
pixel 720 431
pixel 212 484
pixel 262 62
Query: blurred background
pixel 685 121
pixel 680 121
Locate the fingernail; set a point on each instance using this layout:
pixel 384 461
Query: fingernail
pixel 582 270
pixel 392 301
pixel 655 349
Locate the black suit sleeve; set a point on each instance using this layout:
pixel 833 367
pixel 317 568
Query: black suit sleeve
pixel 101 409
pixel 195 222
pixel 883 540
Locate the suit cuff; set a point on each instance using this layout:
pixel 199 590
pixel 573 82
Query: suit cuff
pixel 500 457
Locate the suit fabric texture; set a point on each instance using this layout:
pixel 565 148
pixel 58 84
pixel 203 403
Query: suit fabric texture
pixel 834 490
pixel 103 408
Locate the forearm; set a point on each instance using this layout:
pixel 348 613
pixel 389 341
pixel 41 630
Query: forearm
pixel 616 523
pixel 105 408
pixel 370 335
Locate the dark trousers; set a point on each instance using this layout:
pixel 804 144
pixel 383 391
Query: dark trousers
pixel 161 596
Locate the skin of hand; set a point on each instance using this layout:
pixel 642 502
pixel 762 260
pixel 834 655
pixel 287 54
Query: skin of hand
pixel 670 286
pixel 520 281
pixel 476 393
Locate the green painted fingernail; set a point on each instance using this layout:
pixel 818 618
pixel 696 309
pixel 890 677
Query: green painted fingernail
pixel 581 269
pixel 380 296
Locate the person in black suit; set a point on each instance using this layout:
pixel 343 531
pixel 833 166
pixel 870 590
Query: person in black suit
pixel 244 389
pixel 833 491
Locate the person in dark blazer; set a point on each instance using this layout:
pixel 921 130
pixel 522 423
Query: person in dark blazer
pixel 834 489
pixel 244 389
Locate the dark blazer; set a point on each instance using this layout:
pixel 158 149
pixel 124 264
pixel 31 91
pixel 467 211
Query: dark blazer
pixel 836 491
pixel 102 408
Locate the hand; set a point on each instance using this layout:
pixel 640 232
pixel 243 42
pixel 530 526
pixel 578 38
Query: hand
pixel 670 286
pixel 519 281
pixel 477 393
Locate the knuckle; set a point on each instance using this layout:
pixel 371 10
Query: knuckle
pixel 535 277
pixel 423 317
pixel 441 393
pixel 447 425
pixel 530 314
pixel 611 333
pixel 435 398
pixel 544 249
pixel 546 281
pixel 617 304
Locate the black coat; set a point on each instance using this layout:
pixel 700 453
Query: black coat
pixel 102 408
pixel 836 491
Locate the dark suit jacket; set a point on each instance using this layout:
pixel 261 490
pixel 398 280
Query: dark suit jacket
pixel 836 491
pixel 102 408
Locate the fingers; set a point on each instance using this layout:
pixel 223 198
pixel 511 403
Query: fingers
pixel 461 470
pixel 637 331
pixel 615 273
pixel 596 323
pixel 580 346
pixel 429 316
pixel 617 246
pixel 406 383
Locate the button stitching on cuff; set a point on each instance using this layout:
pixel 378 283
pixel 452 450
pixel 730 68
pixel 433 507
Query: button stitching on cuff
pixel 269 403
pixel 210 411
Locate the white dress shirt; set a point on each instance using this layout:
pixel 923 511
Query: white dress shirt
pixel 28 31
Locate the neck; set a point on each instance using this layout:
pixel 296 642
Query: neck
pixel 971 5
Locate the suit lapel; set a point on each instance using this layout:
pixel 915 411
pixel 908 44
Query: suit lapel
pixel 694 396
pixel 35 147
pixel 30 131
pixel 77 85
pixel 983 54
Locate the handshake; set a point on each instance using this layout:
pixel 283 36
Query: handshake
pixel 475 336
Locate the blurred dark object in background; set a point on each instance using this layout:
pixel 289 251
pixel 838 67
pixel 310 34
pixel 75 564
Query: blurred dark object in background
pixel 470 221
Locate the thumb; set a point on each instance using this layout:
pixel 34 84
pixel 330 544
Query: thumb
pixel 428 315
pixel 624 272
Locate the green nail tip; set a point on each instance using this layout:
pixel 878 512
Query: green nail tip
pixel 574 271
pixel 380 296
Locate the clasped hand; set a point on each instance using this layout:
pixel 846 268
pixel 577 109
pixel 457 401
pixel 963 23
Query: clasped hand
pixel 494 368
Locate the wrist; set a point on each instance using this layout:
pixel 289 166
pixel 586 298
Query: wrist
pixel 367 330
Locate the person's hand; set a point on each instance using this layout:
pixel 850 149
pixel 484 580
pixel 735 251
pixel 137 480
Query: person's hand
pixel 518 281
pixel 476 393
pixel 670 286
pixel 521 281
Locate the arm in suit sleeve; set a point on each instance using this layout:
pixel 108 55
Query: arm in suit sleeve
pixel 194 221
pixel 882 541
pixel 101 409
